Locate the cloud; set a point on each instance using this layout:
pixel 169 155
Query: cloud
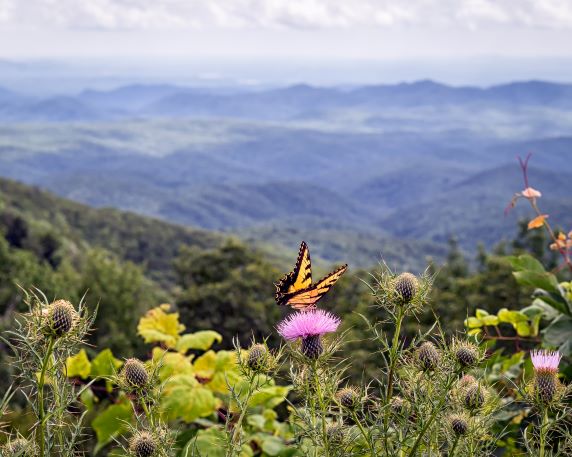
pixel 289 14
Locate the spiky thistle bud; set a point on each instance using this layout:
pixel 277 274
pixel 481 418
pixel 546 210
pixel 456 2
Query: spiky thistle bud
pixel 474 396
pixel 19 447
pixel 258 357
pixel 546 382
pixel 406 286
pixel 335 433
pixel 459 424
pixel 428 356
pixel 397 404
pixel 135 373
pixel 61 317
pixel 312 346
pixel 466 381
pixel 348 397
pixel 143 445
pixel 467 354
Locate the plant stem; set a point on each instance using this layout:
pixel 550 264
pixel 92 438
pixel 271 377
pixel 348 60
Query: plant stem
pixel 370 444
pixel 543 430
pixel 393 353
pixel 454 447
pixel 322 409
pixel 41 411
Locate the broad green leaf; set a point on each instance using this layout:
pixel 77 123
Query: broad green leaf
pixel 556 301
pixel 78 365
pixel 269 397
pixel 559 331
pixel 473 322
pixel 209 442
pixel 158 326
pixel 544 281
pixel 105 364
pixel 511 317
pixel 272 445
pixel 480 313
pixel 474 332
pixel 186 399
pixel 202 341
pixel 525 263
pixel 219 368
pixel 111 422
pixel 172 363
pixel 490 320
pixel 522 329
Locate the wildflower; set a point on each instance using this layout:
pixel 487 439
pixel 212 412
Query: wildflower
pixel 474 396
pixel 406 287
pixel 143 445
pixel 309 326
pixel 135 373
pixel 348 397
pixel 258 358
pixel 545 374
pixel 61 317
pixel 459 424
pixel 428 356
pixel 531 193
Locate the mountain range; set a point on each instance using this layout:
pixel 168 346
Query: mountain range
pixel 367 172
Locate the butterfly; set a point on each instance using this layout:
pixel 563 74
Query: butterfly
pixel 296 289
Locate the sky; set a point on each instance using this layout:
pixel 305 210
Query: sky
pixel 534 31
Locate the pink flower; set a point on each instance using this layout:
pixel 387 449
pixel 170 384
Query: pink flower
pixel 530 192
pixel 545 361
pixel 304 324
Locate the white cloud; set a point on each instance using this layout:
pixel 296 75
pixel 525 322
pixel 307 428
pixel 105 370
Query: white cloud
pixel 198 14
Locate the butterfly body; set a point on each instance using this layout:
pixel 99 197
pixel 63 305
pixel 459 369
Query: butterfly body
pixel 296 289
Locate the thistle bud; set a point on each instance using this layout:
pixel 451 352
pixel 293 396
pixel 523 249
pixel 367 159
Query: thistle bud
pixel 348 397
pixel 312 346
pixel 466 381
pixel 474 396
pixel 459 424
pixel 467 354
pixel 335 433
pixel 135 373
pixel 406 287
pixel 61 317
pixel 258 357
pixel 397 404
pixel 143 445
pixel 428 356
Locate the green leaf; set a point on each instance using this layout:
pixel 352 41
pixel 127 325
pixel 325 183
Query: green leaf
pixel 220 368
pixel 473 322
pixel 202 341
pixel 490 320
pixel 157 326
pixel 105 364
pixel 480 313
pixel 269 397
pixel 78 365
pixel 111 422
pixel 207 442
pixel 186 399
pixel 272 445
pixel 473 332
pixel 172 363
pixel 559 331
pixel 544 281
pixel 511 317
pixel 522 329
pixel 525 263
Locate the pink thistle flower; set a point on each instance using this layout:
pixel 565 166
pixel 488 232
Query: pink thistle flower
pixel 545 361
pixel 310 326
pixel 546 383
pixel 304 324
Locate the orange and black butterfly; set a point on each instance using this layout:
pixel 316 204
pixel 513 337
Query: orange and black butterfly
pixel 296 288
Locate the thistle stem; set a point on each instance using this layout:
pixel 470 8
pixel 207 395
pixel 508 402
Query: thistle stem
pixel 393 353
pixel 41 410
pixel 454 447
pixel 543 432
pixel 322 409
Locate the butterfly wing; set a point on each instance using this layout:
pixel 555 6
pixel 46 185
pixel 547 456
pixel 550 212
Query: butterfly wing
pixel 300 278
pixel 307 298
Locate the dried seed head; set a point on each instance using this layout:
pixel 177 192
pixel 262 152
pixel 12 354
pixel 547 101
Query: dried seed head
pixel 135 373
pixel 61 317
pixel 467 354
pixel 348 397
pixel 406 287
pixel 258 357
pixel 459 424
pixel 428 356
pixel 474 396
pixel 312 346
pixel 143 445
